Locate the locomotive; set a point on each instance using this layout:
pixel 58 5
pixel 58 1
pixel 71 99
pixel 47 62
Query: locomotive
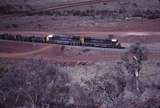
pixel 66 40
pixel 83 41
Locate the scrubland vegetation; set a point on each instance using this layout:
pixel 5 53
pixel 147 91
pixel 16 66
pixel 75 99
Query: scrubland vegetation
pixel 132 82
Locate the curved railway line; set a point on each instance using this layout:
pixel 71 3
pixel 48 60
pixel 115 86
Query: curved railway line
pixel 65 40
pixel 153 51
pixel 94 54
pixel 107 53
pixel 74 4
pixel 57 7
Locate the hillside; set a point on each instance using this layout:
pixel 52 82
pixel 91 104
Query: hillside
pixel 112 5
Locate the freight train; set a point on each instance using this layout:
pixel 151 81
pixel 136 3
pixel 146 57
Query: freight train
pixel 65 40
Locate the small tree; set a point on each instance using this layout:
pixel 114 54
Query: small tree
pixel 133 60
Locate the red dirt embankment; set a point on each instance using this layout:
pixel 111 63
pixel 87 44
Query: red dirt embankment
pixel 58 54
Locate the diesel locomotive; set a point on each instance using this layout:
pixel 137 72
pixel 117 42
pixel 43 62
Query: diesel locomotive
pixel 65 40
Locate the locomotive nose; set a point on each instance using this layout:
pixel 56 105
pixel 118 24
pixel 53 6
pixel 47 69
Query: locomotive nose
pixel 49 36
pixel 114 40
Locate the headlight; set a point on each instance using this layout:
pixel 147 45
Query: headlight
pixel 114 40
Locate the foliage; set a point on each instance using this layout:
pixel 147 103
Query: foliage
pixel 132 61
pixel 33 83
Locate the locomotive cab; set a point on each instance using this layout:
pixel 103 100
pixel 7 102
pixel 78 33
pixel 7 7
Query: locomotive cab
pixel 82 40
pixel 116 43
pixel 49 37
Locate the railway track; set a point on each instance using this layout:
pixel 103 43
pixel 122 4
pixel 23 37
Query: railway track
pixel 119 35
pixel 66 5
pixel 65 40
pixel 57 7
pixel 84 33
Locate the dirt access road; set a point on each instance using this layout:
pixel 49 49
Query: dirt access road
pixel 10 49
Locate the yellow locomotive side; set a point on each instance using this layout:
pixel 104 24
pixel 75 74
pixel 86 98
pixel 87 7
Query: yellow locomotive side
pixel 82 40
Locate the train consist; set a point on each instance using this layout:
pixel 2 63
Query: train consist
pixel 65 40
